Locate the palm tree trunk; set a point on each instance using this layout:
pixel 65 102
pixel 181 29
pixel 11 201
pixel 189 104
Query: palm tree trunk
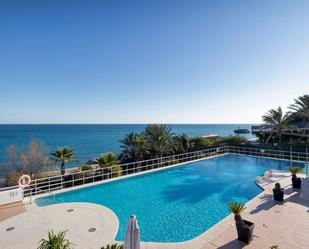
pixel 62 168
pixel 239 220
pixel 279 139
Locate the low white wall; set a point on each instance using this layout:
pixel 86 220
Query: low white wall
pixel 11 195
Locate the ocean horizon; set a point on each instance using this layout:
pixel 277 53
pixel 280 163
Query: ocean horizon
pixel 91 140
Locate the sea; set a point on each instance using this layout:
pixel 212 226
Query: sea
pixel 91 140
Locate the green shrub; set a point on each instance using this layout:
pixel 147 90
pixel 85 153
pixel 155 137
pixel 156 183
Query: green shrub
pixel 85 167
pixel 232 140
pixel 116 171
pixel 200 143
pixel 55 241
pixel 295 170
pixel 108 159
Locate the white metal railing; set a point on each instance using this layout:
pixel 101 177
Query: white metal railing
pixel 50 184
pixel 42 190
pixel 276 154
pixel 292 156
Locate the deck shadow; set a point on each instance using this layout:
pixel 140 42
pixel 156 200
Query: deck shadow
pixel 298 196
pixel 234 244
pixel 267 204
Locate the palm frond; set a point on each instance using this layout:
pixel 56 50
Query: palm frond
pixel 295 169
pixel 236 208
pixel 55 241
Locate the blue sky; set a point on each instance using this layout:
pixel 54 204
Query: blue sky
pixel 169 61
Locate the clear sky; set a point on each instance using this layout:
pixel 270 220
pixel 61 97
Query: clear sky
pixel 162 61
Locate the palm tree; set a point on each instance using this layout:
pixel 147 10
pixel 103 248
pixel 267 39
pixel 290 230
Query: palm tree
pixel 55 241
pixel 108 159
pixel 182 144
pixel 133 148
pixel 278 121
pixel 159 139
pixel 237 208
pixel 109 163
pixel 301 107
pixel 64 155
pixel 295 170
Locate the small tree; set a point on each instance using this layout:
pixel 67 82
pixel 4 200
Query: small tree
pixel 63 155
pixel 295 170
pixel 30 160
pixel 55 241
pixel 237 208
pixel 109 163
pixel 108 159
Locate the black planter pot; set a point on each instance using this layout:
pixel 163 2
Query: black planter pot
pixel 278 194
pixel 296 182
pixel 245 231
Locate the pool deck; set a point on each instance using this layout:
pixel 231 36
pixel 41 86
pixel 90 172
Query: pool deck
pixel 285 225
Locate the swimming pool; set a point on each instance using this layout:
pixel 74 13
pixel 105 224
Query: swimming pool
pixel 180 203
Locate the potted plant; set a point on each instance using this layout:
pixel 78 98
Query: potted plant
pixel 296 181
pixel 244 227
pixel 55 241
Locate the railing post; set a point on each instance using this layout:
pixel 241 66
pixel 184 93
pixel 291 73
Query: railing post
pixel 291 156
pixel 306 162
pixel 36 187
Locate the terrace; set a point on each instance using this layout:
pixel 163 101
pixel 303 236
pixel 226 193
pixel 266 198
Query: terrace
pixel 275 224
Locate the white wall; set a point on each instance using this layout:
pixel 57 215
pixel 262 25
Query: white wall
pixel 11 195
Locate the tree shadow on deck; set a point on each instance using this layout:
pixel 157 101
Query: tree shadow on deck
pixel 298 196
pixel 267 203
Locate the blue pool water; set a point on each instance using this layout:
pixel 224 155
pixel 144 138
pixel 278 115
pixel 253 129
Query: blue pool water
pixel 181 203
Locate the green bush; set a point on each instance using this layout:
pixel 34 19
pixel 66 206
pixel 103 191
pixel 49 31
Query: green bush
pixel 200 143
pixel 55 241
pixel 108 159
pixel 295 170
pixel 232 140
pixel 116 171
pixel 85 167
